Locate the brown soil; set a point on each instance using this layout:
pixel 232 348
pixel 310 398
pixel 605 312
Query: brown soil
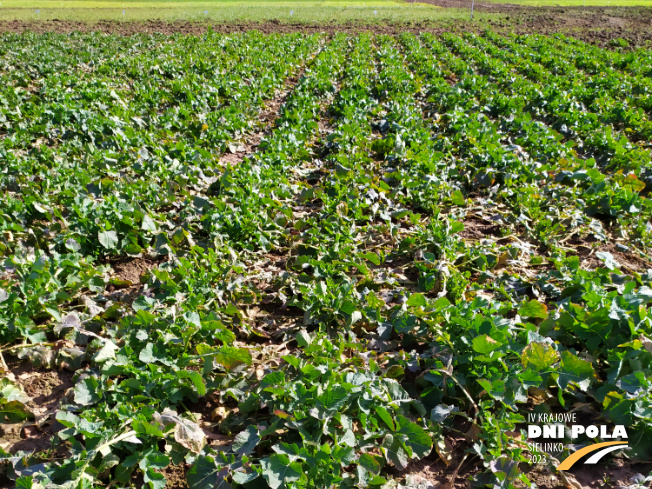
pixel 175 476
pixel 128 273
pixel 274 323
pixel 198 28
pixel 131 269
pixel 596 25
pixel 593 24
pixel 45 388
pixel 586 250
pixel 477 228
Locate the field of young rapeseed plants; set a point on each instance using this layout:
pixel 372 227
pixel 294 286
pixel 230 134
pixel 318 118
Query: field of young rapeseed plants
pixel 295 261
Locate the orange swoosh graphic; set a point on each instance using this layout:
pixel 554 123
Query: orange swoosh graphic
pixel 570 461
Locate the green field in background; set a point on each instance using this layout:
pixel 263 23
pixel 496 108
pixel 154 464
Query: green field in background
pixel 262 10
pixel 225 10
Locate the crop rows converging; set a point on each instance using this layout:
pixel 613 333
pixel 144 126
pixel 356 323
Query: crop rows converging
pixel 295 261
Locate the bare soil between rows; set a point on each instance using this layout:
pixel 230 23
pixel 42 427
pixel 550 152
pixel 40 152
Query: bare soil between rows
pixel 597 25
pixel 45 389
